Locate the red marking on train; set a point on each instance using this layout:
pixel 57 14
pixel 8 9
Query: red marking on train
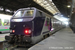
pixel 27 31
pixel 5 27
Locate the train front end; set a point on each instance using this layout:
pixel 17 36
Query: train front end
pixel 21 27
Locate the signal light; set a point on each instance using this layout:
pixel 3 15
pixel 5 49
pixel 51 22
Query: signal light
pixel 27 31
pixel 13 31
pixel 10 31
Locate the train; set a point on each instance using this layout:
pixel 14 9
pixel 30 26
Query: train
pixel 30 25
pixel 4 23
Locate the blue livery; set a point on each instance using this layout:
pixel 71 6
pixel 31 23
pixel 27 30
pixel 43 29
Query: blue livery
pixel 30 25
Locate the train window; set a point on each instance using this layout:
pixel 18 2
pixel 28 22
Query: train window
pixel 6 22
pixel 47 22
pixel 28 13
pixel 24 13
pixel 19 14
pixel 0 22
pixel 40 13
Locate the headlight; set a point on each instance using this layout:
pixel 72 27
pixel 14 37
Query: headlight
pixel 10 31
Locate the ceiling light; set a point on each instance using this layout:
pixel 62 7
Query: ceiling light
pixel 68 6
pixel 1 8
pixel 50 0
pixel 45 2
pixel 53 3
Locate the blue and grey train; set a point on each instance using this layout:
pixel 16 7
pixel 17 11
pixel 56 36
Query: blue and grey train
pixel 30 25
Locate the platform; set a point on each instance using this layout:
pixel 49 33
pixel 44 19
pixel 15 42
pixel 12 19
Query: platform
pixel 2 37
pixel 61 40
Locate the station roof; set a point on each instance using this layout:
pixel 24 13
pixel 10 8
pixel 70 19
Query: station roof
pixel 62 5
pixel 13 5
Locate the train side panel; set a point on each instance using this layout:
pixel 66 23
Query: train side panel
pixel 38 25
pixel 38 22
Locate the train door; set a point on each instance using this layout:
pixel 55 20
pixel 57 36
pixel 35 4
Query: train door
pixel 0 25
pixel 50 24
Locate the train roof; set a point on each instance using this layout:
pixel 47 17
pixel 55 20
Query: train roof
pixel 28 8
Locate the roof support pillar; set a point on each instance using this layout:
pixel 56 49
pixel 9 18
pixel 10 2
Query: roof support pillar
pixel 72 8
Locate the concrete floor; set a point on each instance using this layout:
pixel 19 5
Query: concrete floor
pixel 61 40
pixel 2 37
